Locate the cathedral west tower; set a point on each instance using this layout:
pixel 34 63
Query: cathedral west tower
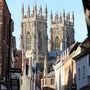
pixel 61 31
pixel 34 42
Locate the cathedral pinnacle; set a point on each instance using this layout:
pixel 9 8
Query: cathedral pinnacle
pixel 46 8
pixel 46 12
pixel 73 18
pixel 40 10
pixel 57 16
pixel 64 15
pixel 68 17
pixel 35 9
pixel 51 17
pixel 60 17
pixel 28 11
pixel 22 10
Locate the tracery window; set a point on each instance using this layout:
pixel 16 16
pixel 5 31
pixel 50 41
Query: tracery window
pixel 28 41
pixel 68 41
pixel 57 43
pixel 40 41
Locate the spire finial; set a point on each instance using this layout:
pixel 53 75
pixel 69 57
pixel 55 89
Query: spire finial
pixel 35 9
pixel 73 14
pixel 60 17
pixel 51 17
pixel 73 17
pixel 68 17
pixel 63 12
pixel 64 15
pixel 22 9
pixel 41 7
pixel 28 11
pixel 57 15
pixel 40 10
pixel 46 12
pixel 46 8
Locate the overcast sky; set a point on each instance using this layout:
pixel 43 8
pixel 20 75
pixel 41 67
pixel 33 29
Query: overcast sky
pixel 54 5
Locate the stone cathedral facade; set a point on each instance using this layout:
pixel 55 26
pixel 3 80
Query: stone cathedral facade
pixel 34 45
pixel 61 31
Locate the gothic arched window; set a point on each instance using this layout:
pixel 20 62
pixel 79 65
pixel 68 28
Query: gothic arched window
pixel 40 41
pixel 28 41
pixel 57 43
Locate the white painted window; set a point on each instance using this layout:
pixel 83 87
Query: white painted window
pixel 21 81
pixel 52 81
pixel 83 71
pixel 79 76
pixel 89 60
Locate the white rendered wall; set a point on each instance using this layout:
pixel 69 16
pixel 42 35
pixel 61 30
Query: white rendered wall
pixel 79 64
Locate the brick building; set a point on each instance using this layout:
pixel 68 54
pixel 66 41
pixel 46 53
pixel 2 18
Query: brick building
pixel 6 24
pixel 18 59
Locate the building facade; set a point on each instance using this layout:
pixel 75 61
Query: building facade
pixel 48 81
pixel 83 66
pixel 59 70
pixel 61 31
pixel 6 24
pixel 83 70
pixel 18 59
pixel 34 45
pixel 65 69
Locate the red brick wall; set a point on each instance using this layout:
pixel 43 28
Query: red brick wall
pixel 1 29
pixel 1 5
pixel 18 59
pixel 5 29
